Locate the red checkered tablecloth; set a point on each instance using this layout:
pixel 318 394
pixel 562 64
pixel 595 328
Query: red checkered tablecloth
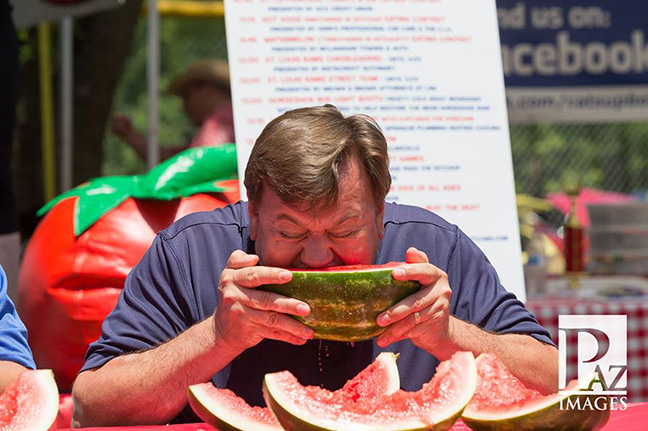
pixel 548 309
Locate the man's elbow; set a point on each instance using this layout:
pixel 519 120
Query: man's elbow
pixel 548 369
pixel 84 406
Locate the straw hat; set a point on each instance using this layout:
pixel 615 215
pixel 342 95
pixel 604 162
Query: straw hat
pixel 216 71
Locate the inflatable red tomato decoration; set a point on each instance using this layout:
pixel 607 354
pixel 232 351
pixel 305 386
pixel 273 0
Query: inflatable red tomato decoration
pixel 76 262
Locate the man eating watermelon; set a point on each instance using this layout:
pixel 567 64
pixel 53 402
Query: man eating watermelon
pixel 316 185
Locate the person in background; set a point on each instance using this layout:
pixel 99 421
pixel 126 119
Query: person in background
pixel 15 355
pixel 9 235
pixel 205 90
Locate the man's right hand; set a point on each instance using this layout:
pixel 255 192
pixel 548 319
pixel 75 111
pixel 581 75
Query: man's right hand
pixel 122 126
pixel 245 316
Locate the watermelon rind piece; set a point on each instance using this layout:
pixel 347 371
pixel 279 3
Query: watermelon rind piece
pixel 294 418
pixel 211 410
pixel 388 360
pixel 446 419
pixel 220 416
pixel 345 301
pixel 542 413
pixel 30 403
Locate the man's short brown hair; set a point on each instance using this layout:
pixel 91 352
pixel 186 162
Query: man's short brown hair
pixel 299 155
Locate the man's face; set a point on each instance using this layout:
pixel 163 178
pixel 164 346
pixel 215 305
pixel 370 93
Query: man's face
pixel 345 235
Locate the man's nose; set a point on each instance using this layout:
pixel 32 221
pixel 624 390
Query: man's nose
pixel 317 251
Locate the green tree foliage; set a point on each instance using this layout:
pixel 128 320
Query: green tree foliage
pixel 545 157
pixel 181 42
pixel 602 156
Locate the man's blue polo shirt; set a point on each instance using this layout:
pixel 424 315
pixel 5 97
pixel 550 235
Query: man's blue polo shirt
pixel 13 335
pixel 175 286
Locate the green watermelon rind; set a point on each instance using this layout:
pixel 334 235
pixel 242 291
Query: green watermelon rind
pixel 221 418
pixel 360 296
pixel 302 421
pixel 212 412
pixel 547 415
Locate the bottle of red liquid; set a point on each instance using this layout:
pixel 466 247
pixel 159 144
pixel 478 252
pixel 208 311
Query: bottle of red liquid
pixel 573 236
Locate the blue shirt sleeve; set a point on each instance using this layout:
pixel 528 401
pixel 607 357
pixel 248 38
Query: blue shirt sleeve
pixel 479 297
pixel 13 335
pixel 153 307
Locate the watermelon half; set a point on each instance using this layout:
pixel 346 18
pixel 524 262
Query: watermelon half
pixel 222 409
pixel 502 402
pixel 346 300
pixel 30 403
pixel 435 407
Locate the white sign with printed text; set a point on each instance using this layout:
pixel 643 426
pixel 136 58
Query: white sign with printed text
pixel 428 71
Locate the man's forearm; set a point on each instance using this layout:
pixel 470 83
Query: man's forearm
pixel 533 362
pixel 149 387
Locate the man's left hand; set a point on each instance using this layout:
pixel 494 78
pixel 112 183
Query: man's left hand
pixel 424 317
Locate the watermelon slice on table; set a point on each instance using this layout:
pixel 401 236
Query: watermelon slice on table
pixel 346 300
pixel 225 411
pixel 30 403
pixel 502 402
pixel 435 407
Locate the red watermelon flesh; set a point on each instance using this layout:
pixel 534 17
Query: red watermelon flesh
pixel 497 387
pixel 30 403
pixel 224 410
pixel 503 402
pixel 379 378
pixel 351 268
pixel 436 406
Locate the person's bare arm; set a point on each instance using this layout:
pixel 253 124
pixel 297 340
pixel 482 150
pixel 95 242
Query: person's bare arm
pixel 533 362
pixel 150 387
pixel 9 371
pixel 122 127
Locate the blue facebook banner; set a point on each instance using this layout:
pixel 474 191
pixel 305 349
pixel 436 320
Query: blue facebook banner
pixel 574 43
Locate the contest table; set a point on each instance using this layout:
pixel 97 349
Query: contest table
pixel 607 296
pixel 634 418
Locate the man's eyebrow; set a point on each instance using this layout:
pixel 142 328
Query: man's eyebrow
pixel 284 216
pixel 347 216
pixel 342 219
pixel 288 218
